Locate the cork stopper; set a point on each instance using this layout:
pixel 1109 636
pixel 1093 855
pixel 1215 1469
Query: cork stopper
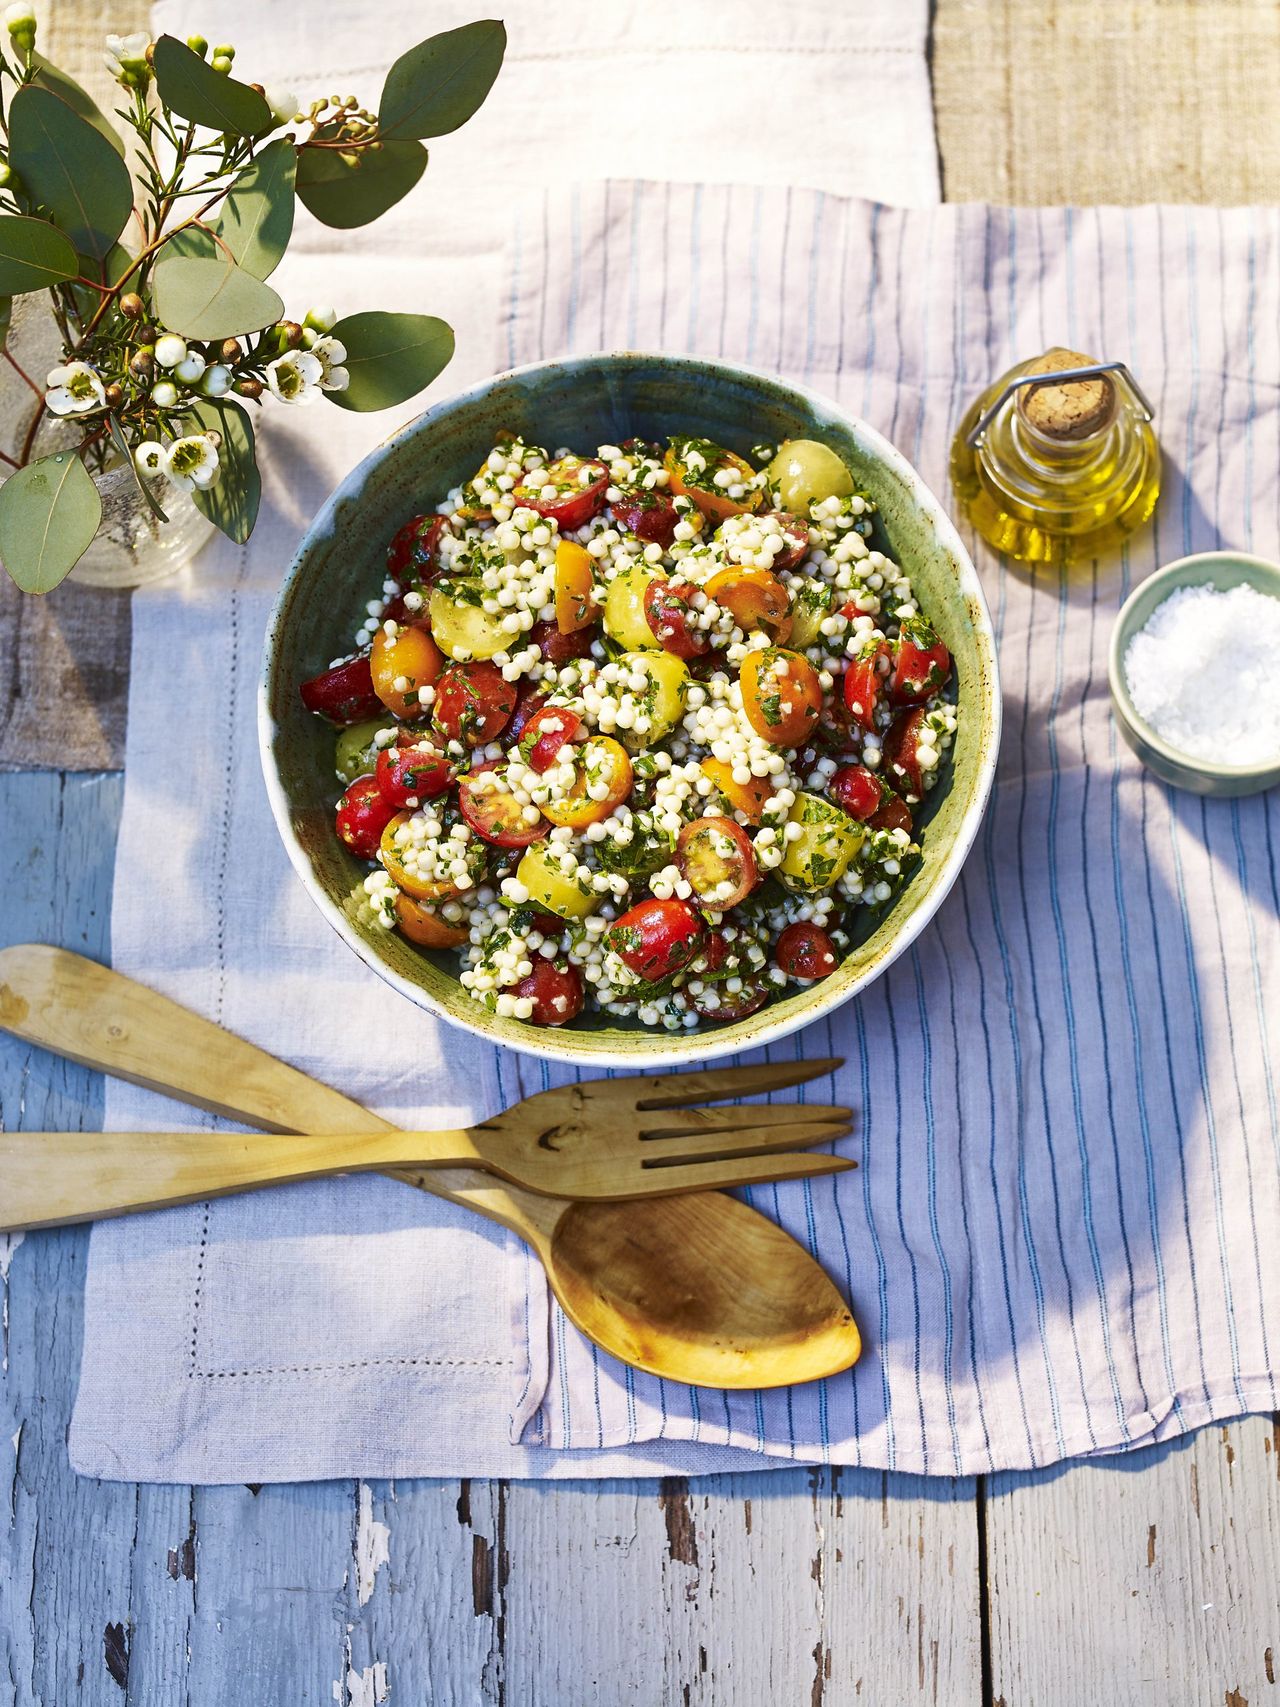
pixel 1067 412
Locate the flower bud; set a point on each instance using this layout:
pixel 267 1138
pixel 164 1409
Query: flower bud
pixel 170 349
pixel 320 319
pixel 349 159
pixel 143 364
pixel 132 305
pixel 221 64
pixel 20 20
pixel 164 395
pixel 290 334
pixel 191 368
pixel 217 381
pixel 148 334
pixel 283 104
pixel 113 396
pixel 198 44
pixel 224 50
pixel 230 351
pixel 249 387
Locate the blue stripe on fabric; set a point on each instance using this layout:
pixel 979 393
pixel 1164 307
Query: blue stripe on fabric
pixel 575 266
pixel 931 1178
pixel 753 253
pixel 882 1277
pixel 695 270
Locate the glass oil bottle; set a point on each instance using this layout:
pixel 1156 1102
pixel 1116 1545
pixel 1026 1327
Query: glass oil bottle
pixel 1057 460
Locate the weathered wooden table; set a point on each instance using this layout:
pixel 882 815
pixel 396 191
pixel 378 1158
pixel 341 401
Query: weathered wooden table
pixel 1148 1580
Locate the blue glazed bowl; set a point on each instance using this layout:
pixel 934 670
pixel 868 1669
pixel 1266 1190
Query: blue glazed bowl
pixel 1221 569
pixel 592 400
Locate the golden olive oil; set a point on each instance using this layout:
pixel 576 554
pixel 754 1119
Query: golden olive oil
pixel 1062 471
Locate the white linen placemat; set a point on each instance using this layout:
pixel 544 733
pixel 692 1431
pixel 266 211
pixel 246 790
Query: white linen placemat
pixel 1058 1239
pixel 301 1334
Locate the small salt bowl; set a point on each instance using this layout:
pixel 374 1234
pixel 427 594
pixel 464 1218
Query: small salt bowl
pixel 1221 571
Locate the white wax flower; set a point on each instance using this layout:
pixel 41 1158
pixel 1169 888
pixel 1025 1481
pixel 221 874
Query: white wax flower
pixel 149 458
pixel 73 389
pixel 331 353
pixel 192 462
pixel 295 376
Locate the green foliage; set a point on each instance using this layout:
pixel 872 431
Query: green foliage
pixel 231 503
pixel 344 195
pixel 257 216
pixel 390 357
pixel 33 254
pixel 69 167
pixel 438 85
pixel 49 513
pixel 211 298
pixel 126 456
pixel 67 89
pixel 194 89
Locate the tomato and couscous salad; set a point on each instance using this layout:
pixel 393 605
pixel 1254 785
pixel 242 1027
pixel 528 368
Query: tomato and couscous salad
pixel 638 731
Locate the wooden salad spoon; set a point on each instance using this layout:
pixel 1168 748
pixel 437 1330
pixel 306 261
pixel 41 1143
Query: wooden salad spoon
pixel 698 1288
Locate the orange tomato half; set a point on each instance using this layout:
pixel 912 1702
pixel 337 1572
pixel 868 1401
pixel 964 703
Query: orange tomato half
pixel 411 656
pixel 420 888
pixel 755 598
pixel 749 798
pixel 710 499
pixel 781 695
pixel 425 927
pixel 601 759
pixel 575 587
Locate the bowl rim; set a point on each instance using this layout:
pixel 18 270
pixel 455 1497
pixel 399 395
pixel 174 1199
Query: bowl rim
pixel 1123 631
pixel 666 1048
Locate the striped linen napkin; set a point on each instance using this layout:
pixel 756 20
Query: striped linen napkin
pixel 1061 1236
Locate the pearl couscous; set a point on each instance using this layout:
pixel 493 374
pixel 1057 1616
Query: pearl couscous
pixel 638 731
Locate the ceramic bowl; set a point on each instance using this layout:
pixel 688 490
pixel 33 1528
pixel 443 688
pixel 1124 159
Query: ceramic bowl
pixel 1222 569
pixel 587 401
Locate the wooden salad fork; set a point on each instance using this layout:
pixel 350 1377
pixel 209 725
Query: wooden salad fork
pixel 603 1138
pixel 699 1288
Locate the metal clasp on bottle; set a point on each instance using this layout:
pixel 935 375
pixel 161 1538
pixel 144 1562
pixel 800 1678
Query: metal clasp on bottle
pixel 974 437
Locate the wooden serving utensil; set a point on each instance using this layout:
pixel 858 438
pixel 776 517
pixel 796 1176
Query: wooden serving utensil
pixel 603 1139
pixel 698 1288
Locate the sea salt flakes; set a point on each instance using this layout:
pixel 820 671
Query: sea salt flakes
pixel 1205 674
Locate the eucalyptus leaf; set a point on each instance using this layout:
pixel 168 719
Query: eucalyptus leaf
pixel 69 168
pixel 49 513
pixel 257 215
pixel 344 196
pixel 192 241
pixel 79 100
pixel 231 503
pixel 439 84
pixel 33 254
pixel 390 357
pixel 194 89
pixel 211 298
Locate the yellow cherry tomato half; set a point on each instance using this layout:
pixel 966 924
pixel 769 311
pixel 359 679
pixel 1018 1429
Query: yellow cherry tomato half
pixel 425 927
pixel 400 664
pixel 549 888
pixel 755 598
pixel 602 781
pixel 699 484
pixel 781 695
pixel 575 587
pixel 394 853
pixel 749 798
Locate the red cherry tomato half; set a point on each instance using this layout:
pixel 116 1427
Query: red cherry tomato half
pixel 716 859
pixel 555 990
pixel 363 814
pixel 855 789
pixel 549 729
pixel 895 814
pixel 559 648
pixel 473 703
pixel 805 950
pixel 902 768
pixel 656 938
pixel 411 771
pixel 413 557
pixel 494 813
pixel 529 701
pixel 651 516
pixel 578 495
pixel 668 609
pixel 796 530
pixel 921 664
pixel 731 1004
pixel 863 681
pixel 343 694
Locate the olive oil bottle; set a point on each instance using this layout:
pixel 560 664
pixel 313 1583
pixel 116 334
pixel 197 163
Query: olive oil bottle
pixel 1059 470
